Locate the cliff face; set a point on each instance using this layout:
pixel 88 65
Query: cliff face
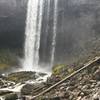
pixel 12 22
pixel 78 26
pixel 78 23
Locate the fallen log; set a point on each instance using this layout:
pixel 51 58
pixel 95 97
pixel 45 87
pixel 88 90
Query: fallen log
pixel 90 63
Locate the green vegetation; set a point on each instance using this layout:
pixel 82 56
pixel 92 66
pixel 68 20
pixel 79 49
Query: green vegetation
pixel 11 96
pixel 8 58
pixel 24 76
pixel 62 70
pixel 58 69
pixel 4 92
pixel 21 76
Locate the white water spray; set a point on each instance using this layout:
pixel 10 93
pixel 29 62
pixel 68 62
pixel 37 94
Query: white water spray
pixel 33 32
pixel 54 32
pixel 32 35
pixel 37 44
pixel 2 98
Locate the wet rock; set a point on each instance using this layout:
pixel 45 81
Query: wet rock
pixel 86 92
pixel 55 98
pixel 62 94
pixel 80 87
pixel 5 92
pixel 25 98
pixel 25 76
pixel 62 88
pixel 92 86
pixel 79 98
pixel 98 84
pixel 53 79
pixel 86 87
pixel 68 88
pixel 11 96
pixel 52 98
pixel 32 88
pixel 96 97
pixel 72 88
pixel 82 94
pixel 27 89
pixel 57 93
pixel 64 84
pixel 97 75
pixel 92 81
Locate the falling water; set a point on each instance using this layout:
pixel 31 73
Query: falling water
pixel 48 16
pixel 46 62
pixel 39 25
pixel 33 31
pixel 2 98
pixel 54 32
pixel 47 27
pixel 32 34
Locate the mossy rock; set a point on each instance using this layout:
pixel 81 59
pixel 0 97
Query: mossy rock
pixel 1 83
pixel 8 58
pixel 62 70
pixel 4 66
pixel 58 69
pixel 21 76
pixel 11 96
pixel 4 92
pixel 27 89
pixel 24 76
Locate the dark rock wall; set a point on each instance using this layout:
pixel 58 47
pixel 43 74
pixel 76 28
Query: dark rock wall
pixel 78 23
pixel 12 22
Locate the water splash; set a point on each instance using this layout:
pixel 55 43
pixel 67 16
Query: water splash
pixel 2 98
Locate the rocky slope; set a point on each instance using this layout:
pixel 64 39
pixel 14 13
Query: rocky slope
pixel 83 86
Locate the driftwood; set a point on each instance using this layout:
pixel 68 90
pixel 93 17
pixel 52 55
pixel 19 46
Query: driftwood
pixel 91 63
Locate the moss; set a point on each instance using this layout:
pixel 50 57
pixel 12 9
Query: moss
pixel 11 96
pixel 70 70
pixel 21 76
pixel 58 69
pixel 3 66
pixel 4 92
pixel 8 58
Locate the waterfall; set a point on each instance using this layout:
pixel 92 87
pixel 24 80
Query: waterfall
pixel 32 34
pixel 37 44
pixel 54 31
pixel 2 98
pixel 48 17
pixel 47 25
